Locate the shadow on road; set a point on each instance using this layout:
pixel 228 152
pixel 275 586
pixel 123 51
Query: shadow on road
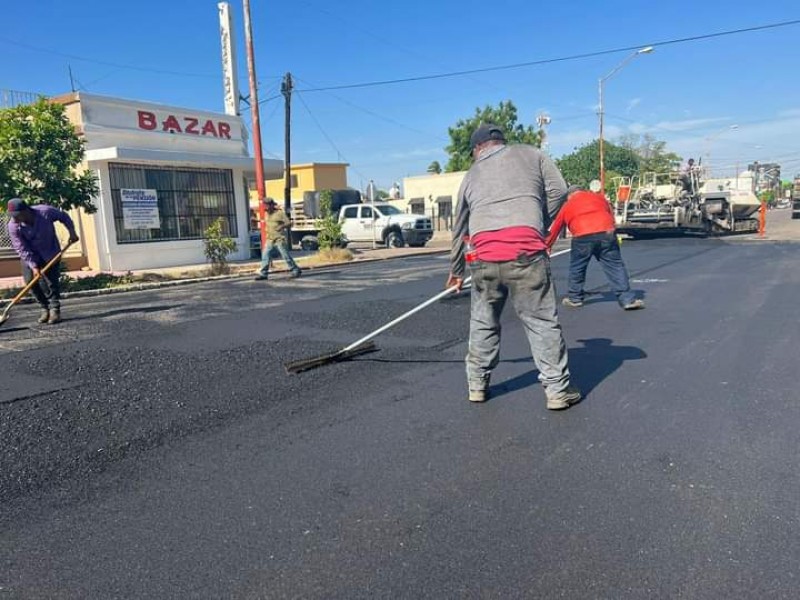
pixel 590 365
pixel 126 311
pixel 12 329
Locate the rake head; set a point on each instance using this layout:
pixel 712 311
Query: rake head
pixel 298 366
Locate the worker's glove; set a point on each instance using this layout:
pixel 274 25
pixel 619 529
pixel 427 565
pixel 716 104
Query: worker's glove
pixel 454 281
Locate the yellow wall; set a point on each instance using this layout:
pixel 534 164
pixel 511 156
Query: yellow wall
pixel 311 177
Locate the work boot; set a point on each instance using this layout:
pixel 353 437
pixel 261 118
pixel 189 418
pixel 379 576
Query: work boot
pixel 567 301
pixel 296 273
pixel 55 316
pixel 478 395
pixel 565 399
pixel 45 316
pixel 634 305
pixel 260 277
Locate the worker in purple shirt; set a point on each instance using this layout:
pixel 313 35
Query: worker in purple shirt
pixel 33 236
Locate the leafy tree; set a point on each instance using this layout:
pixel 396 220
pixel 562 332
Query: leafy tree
pixel 652 153
pixel 381 195
pixel 583 165
pixel 435 167
pixel 40 154
pixel 504 116
pixel 330 229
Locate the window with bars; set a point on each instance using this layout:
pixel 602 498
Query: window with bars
pixel 189 200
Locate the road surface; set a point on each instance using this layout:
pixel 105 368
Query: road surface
pixel 152 445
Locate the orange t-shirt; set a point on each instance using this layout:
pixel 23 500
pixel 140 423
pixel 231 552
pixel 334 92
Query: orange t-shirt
pixel 584 213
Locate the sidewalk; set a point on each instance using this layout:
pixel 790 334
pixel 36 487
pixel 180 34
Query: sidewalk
pixel 361 253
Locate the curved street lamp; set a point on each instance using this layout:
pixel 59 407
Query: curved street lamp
pixel 601 83
pixel 709 139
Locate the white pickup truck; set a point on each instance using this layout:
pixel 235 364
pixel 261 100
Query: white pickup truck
pixel 385 224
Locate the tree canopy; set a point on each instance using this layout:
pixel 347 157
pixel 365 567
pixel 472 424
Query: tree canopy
pixel 504 116
pixel 40 156
pixel 583 165
pixel 435 167
pixel 652 153
pixel 632 155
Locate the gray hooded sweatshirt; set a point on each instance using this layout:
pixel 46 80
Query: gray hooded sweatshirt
pixel 507 186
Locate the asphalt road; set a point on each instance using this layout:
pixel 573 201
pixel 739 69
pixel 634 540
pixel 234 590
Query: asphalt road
pixel 152 445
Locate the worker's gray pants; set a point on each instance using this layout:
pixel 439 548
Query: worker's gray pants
pixel 528 281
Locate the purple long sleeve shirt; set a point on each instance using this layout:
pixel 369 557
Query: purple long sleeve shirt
pixel 38 243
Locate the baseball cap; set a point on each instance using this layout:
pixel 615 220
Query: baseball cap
pixel 484 133
pixel 16 206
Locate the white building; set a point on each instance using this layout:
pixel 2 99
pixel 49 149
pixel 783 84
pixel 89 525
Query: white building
pixel 165 174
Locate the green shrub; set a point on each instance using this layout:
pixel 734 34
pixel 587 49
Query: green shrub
pixel 218 247
pixel 330 229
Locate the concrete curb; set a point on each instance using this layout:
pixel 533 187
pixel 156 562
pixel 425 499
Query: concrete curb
pixel 155 285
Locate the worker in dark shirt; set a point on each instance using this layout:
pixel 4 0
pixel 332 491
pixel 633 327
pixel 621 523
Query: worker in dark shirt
pixel 33 236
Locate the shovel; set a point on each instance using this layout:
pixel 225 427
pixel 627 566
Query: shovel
pixel 31 283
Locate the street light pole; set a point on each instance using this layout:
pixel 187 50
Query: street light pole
pixel 600 112
pixel 714 136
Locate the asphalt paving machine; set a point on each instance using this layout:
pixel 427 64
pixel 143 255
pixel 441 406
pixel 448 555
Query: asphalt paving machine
pixel 684 201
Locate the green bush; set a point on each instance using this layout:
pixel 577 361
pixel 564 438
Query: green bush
pixel 218 247
pixel 330 229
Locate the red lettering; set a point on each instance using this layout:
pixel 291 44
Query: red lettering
pixel 192 126
pixel 225 130
pixel 171 124
pixel 147 120
pixel 209 129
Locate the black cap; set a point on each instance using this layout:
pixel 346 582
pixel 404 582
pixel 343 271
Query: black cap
pixel 16 206
pixel 484 133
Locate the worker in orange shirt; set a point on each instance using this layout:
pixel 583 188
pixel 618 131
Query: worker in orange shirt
pixel 588 216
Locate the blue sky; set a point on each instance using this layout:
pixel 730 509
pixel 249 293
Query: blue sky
pixel 682 93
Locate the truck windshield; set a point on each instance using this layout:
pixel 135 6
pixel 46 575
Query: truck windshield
pixel 388 209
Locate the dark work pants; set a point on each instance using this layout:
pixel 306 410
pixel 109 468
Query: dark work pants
pixel 605 248
pixel 47 291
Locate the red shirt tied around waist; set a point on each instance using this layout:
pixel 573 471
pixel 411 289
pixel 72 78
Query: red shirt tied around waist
pixel 584 213
pixel 507 244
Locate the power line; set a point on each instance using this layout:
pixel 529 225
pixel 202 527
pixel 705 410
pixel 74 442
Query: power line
pixel 546 61
pixel 319 126
pixel 377 115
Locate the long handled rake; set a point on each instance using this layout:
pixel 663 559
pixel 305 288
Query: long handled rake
pixel 365 344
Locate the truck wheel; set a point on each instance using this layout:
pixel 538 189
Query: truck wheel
pixel 394 240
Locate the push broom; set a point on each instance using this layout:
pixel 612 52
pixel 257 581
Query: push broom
pixel 365 344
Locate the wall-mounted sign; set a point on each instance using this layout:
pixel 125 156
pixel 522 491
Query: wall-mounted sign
pixel 150 121
pixel 140 209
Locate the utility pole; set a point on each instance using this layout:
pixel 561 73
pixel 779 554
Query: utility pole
pixel 71 79
pixel 286 90
pixel 256 123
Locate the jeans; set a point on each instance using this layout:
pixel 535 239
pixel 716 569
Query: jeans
pixel 605 248
pixel 528 281
pixel 48 290
pixel 275 249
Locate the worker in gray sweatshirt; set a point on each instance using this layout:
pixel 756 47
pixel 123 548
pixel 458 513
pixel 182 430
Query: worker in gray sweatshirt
pixel 506 199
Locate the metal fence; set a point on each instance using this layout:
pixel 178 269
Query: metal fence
pixel 6 250
pixel 12 98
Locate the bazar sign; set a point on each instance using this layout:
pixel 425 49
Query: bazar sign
pixel 149 121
